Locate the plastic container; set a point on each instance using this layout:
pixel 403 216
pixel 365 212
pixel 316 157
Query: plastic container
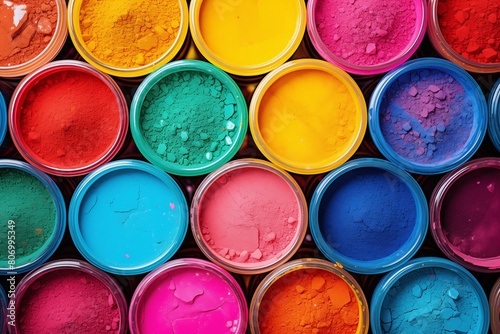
pixel 494 300
pixel 128 217
pixel 101 306
pixel 49 52
pixel 369 216
pixel 428 116
pixel 442 46
pixel 464 211
pixel 188 295
pixel 249 216
pixel 88 145
pixel 338 285
pixel 3 119
pixel 357 61
pixel 21 229
pixel 307 116
pixel 423 292
pixel 3 311
pixel 140 67
pixel 494 119
pixel 247 51
pixel 200 129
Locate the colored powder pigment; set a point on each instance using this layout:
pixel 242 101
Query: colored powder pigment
pixel 26 201
pixel 69 119
pixel 470 214
pixel 309 301
pixel 308 118
pixel 367 214
pixel 190 118
pixel 26 28
pixel 128 34
pixel 189 300
pixel 68 301
pixel 426 116
pixel 143 214
pixel 471 28
pixel 430 300
pixel 366 32
pixel 249 33
pixel 249 215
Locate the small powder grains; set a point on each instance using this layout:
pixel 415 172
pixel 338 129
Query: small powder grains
pixel 189 118
pixel 366 32
pixel 68 301
pixel 426 116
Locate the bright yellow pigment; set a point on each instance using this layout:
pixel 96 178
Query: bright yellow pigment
pixel 249 32
pixel 308 120
pixel 129 33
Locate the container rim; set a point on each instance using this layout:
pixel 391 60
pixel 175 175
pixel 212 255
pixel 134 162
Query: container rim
pixel 494 115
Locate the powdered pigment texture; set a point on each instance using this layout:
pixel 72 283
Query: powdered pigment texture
pixel 189 300
pixel 470 213
pixel 367 214
pixel 249 215
pixel 426 116
pixel 366 32
pixel 471 28
pixel 430 300
pixel 189 118
pixel 68 301
pixel 26 201
pixel 309 301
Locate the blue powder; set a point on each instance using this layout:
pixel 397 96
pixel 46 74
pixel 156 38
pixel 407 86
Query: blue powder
pixel 430 300
pixel 367 214
pixel 427 116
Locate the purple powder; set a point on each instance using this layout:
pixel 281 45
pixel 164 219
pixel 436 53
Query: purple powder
pixel 426 116
pixel 366 32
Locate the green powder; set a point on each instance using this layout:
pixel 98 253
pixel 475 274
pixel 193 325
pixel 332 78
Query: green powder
pixel 190 118
pixel 26 201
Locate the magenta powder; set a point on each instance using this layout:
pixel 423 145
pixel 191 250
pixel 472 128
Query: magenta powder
pixel 366 32
pixel 68 301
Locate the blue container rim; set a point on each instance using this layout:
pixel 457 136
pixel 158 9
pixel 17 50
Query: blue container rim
pixel 387 282
pixel 152 80
pixel 94 177
pixel 3 119
pixel 478 131
pixel 494 114
pixel 384 264
pixel 3 310
pixel 60 221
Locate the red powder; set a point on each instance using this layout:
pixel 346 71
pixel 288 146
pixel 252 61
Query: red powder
pixel 68 301
pixel 69 119
pixel 472 28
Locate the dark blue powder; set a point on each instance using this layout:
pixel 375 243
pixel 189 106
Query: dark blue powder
pixel 367 214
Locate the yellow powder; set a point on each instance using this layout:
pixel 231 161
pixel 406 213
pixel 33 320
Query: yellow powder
pixel 309 119
pixel 129 33
pixel 249 33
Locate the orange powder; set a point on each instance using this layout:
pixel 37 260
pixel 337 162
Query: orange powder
pixel 309 301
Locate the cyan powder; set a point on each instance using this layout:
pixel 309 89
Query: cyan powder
pixel 430 300
pixel 426 116
pixel 189 118
pixel 26 202
pixel 367 214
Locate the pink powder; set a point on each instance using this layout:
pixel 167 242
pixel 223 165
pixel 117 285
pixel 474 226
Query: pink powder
pixel 249 215
pixel 190 299
pixel 366 32
pixel 68 301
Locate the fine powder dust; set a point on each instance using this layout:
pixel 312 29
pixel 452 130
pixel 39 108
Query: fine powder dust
pixel 309 301
pixel 249 215
pixel 366 32
pixel 68 301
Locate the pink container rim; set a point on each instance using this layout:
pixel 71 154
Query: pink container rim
pixel 404 55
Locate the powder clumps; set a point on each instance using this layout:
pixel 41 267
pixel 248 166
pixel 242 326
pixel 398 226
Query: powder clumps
pixel 309 301
pixel 366 32
pixel 130 33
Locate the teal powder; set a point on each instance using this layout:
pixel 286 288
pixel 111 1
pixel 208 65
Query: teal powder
pixel 189 118
pixel 25 200
pixel 430 300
